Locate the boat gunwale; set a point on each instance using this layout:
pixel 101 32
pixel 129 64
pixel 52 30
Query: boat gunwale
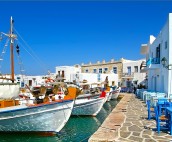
pixel 93 101
pixel 33 106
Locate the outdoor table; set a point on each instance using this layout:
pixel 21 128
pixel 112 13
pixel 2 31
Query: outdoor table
pixel 169 115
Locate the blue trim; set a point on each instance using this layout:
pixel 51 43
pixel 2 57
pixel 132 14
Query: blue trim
pixel 31 107
pixel 153 61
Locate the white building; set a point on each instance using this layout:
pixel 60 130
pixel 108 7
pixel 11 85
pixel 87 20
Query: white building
pixel 30 80
pixel 158 53
pixel 131 73
pixel 73 74
pixel 64 72
pixel 95 78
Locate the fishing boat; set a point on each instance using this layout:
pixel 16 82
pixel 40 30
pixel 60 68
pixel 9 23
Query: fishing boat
pixel 88 106
pixel 115 93
pixel 109 96
pixel 47 115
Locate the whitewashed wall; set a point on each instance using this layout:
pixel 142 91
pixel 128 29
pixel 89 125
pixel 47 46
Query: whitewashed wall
pixel 140 77
pixel 67 71
pixel 93 77
pixel 162 76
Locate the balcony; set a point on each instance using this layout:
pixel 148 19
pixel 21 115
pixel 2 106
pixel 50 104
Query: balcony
pixel 153 63
pixel 60 78
pixel 128 75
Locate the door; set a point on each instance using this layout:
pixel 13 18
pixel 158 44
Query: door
pixel 155 84
pixel 162 86
pixel 129 70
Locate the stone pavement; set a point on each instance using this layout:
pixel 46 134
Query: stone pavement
pixel 128 123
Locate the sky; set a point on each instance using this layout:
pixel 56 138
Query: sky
pixel 65 33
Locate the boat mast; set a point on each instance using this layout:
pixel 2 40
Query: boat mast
pixel 12 36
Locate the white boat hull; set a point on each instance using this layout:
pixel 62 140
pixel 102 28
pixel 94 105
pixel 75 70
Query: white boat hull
pixel 109 97
pixel 106 97
pixel 114 95
pixel 88 106
pixel 42 118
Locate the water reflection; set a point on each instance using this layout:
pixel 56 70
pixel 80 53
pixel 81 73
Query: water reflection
pixel 77 129
pixel 81 128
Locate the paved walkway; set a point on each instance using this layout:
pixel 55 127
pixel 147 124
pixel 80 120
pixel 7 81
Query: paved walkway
pixel 128 123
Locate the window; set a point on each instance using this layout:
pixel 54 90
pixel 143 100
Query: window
pixel 100 70
pixel 129 70
pixel 115 70
pixel 63 74
pixel 30 82
pixel 86 70
pixel 94 70
pixel 98 77
pixel 105 70
pixel 135 82
pixel 166 45
pixel 158 51
pixel 58 73
pixel 135 68
pixel 128 83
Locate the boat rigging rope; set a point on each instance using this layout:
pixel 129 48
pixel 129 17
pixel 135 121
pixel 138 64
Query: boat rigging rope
pixel 20 61
pixel 3 53
pixel 32 54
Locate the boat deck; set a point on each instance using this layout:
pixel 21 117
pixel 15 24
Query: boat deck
pixel 128 123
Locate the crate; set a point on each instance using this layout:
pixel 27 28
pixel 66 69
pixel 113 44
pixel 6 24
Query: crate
pixel 17 102
pixel 6 103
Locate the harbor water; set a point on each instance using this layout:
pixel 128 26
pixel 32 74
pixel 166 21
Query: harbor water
pixel 77 129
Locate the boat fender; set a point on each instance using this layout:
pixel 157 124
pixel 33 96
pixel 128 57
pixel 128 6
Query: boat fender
pixel 65 90
pixel 60 97
pixel 46 99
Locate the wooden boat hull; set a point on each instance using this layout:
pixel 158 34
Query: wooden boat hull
pixel 41 118
pixel 88 106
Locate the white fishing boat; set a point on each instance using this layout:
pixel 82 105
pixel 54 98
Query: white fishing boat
pixel 46 116
pixel 115 93
pixel 86 106
pixel 109 96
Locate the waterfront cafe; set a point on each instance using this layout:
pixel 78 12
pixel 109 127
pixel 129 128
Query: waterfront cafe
pixel 158 66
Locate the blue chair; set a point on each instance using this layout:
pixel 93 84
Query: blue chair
pixel 159 120
pixel 162 119
pixel 162 104
pixel 169 116
pixel 151 110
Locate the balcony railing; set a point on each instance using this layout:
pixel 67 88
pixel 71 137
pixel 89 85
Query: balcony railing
pixel 60 77
pixel 128 75
pixel 153 61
